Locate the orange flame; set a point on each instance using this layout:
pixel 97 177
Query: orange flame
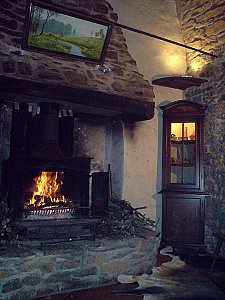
pixel 47 188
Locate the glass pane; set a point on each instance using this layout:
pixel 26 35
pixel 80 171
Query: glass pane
pixel 189 153
pixel 176 153
pixel 176 174
pixel 182 153
pixel 189 131
pixel 189 175
pixel 176 131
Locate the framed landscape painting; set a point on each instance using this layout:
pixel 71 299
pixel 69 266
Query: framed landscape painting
pixel 55 31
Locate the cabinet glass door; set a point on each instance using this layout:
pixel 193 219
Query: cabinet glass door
pixel 183 153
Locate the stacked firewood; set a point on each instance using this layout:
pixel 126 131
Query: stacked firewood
pixel 124 220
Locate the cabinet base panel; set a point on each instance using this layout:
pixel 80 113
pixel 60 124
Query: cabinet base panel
pixel 189 249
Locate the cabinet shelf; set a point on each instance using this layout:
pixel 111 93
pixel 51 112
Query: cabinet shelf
pixel 182 165
pixel 183 141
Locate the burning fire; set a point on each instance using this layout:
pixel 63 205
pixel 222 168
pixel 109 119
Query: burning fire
pixel 47 191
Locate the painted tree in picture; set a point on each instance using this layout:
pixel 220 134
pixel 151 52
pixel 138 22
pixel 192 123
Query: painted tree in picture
pixel 63 33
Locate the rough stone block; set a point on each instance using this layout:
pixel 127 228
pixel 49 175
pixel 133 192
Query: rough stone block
pixel 138 255
pixel 24 68
pixel 118 71
pixel 91 270
pixel 11 285
pixel 112 55
pixel 28 265
pixel 112 269
pixel 96 246
pixel 60 276
pixel 78 283
pixel 216 28
pixel 119 86
pixel 100 8
pixel 64 276
pixel 11 32
pixel 120 253
pixel 7 273
pixel 32 279
pixel 47 266
pixel 23 294
pixel 76 78
pixel 50 75
pixel 88 5
pixel 11 24
pixel 6 4
pixel 9 66
pixel 48 289
pixel 99 258
pixel 69 263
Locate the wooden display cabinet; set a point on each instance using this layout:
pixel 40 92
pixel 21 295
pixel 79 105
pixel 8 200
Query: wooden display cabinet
pixel 183 197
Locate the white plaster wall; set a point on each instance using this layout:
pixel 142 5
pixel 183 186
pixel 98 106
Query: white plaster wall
pixel 142 145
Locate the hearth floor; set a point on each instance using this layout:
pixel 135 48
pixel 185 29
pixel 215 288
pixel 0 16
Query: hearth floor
pixel 173 280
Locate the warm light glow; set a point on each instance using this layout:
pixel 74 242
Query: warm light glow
pixel 173 60
pixel 184 131
pixel 189 131
pixel 197 64
pixel 48 189
pixel 176 130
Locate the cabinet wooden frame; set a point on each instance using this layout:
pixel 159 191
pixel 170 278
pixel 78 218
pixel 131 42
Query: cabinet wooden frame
pixel 186 230
pixel 183 204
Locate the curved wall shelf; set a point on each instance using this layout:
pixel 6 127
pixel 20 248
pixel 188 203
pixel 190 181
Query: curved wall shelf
pixel 178 81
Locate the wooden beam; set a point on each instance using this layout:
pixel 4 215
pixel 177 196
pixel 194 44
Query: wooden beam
pixel 130 109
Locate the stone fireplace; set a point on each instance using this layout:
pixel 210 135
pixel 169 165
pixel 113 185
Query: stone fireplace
pixel 45 183
pixel 62 253
pixel 93 97
pixel 90 138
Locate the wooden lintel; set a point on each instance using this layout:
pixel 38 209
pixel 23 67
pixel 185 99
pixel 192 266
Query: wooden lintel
pixel 130 109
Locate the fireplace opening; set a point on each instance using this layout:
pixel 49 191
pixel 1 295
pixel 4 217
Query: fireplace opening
pixel 49 188
pixel 46 195
pixel 43 188
pixel 43 177
pixel 46 191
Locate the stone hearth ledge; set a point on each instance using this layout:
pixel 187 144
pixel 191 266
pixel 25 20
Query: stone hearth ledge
pixel 29 269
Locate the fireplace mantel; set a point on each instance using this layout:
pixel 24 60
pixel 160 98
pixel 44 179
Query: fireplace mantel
pixel 82 101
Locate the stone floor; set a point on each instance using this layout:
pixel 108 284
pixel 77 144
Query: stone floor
pixel 186 278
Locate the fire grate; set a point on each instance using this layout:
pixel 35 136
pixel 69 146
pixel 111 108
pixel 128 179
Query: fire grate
pixel 49 211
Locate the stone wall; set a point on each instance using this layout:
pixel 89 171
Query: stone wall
pixel 203 26
pixel 31 271
pixel 123 80
pixel 212 95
